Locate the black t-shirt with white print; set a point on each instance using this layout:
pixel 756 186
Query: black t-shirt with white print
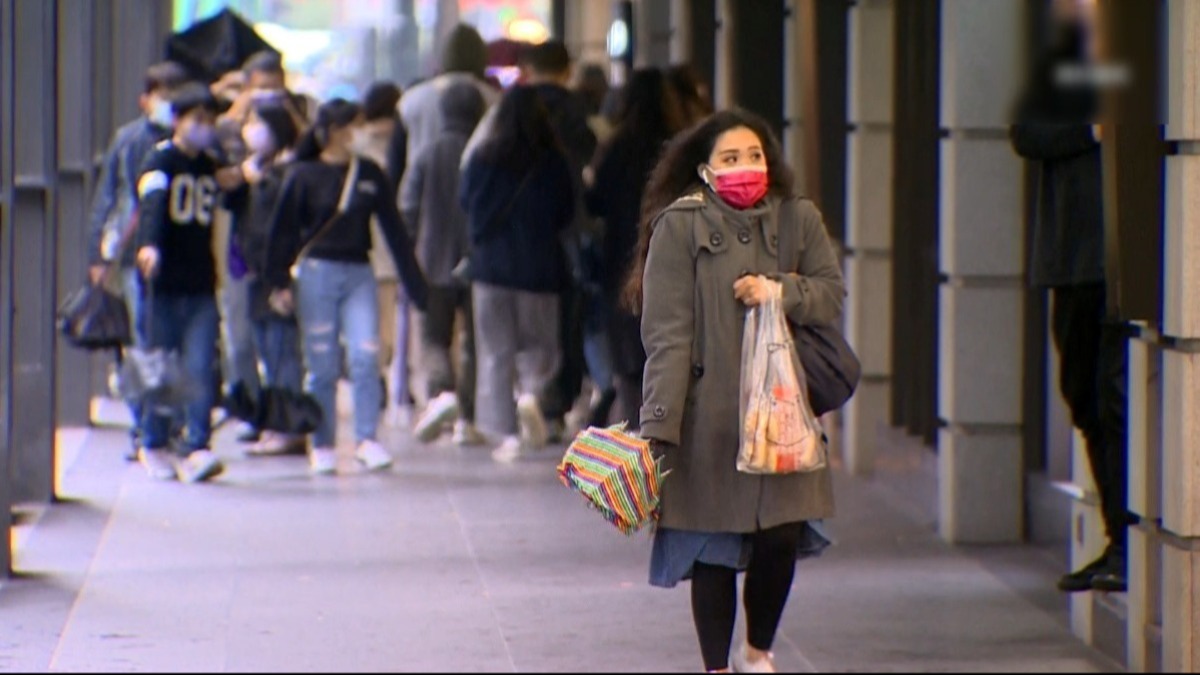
pixel 178 197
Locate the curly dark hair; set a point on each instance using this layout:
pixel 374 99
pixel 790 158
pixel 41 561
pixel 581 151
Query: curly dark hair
pixel 677 175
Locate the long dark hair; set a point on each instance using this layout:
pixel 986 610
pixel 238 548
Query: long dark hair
pixel 334 114
pixel 676 175
pixel 521 132
pixel 649 108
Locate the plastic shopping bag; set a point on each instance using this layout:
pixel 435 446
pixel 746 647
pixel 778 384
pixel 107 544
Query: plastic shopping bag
pixel 780 433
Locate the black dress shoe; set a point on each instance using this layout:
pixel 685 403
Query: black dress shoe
pixel 1110 582
pixel 1081 580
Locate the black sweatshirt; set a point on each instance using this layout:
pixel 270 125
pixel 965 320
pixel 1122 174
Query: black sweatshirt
pixel 309 199
pixel 177 196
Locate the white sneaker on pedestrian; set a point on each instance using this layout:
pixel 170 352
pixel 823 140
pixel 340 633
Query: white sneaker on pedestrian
pixel 322 461
pixel 509 451
pixel 440 411
pixel 742 663
pixel 200 466
pixel 533 425
pixel 159 464
pixel 466 435
pixel 373 456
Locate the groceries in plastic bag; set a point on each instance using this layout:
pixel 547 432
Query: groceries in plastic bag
pixel 780 432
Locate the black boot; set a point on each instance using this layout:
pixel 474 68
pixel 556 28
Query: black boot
pixel 1112 577
pixel 1081 580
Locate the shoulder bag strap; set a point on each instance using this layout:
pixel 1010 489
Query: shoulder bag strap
pixel 342 207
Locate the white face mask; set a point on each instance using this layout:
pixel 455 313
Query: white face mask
pixel 160 113
pixel 258 138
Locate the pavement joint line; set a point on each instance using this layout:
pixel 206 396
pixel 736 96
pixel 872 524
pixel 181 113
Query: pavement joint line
pixel 806 664
pixel 487 592
pixel 87 574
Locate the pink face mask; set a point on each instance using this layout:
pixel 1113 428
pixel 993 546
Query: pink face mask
pixel 741 187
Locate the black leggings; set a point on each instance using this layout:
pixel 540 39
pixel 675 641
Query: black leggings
pixel 768 582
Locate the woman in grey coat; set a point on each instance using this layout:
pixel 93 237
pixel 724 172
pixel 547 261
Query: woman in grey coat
pixel 713 213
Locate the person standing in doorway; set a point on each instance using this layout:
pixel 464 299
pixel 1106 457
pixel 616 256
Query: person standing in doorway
pixel 177 194
pixel 322 225
pixel 708 245
pixel 518 193
pixel 1054 130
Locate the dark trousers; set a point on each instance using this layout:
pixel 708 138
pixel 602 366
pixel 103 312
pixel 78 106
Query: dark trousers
pixel 1094 356
pixel 768 584
pixel 444 305
pixel 560 395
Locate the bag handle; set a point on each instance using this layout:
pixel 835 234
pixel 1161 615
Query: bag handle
pixel 342 207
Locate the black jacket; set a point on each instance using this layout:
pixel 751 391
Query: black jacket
pixel 309 199
pixel 514 228
pixel 1053 129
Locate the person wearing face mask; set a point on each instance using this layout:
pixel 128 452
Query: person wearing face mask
pixel 715 207
pixel 111 221
pixel 178 194
pixel 270 135
pixel 321 227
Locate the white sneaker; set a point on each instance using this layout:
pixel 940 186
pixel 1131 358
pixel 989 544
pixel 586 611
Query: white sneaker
pixel 200 466
pixel 533 425
pixel 159 464
pixel 742 663
pixel 509 451
pixel 373 456
pixel 322 461
pixel 437 415
pixel 466 435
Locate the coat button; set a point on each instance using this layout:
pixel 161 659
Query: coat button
pixel 660 412
pixel 775 240
pixel 716 239
pixel 697 370
pixel 743 273
pixel 744 236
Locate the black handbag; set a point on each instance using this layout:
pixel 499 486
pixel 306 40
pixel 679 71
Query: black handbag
pixel 275 409
pixel 831 367
pixel 93 318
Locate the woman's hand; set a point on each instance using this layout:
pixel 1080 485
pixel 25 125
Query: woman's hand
pixel 147 261
pixel 752 291
pixel 282 302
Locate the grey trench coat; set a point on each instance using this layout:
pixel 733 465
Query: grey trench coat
pixel 692 330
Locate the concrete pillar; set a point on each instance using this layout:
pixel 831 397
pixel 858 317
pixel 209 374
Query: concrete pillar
pixel 1180 540
pixel 868 312
pixel 681 31
pixel 982 263
pixel 793 91
pixel 587 24
pixel 724 94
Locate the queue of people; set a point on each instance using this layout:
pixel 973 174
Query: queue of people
pixel 534 240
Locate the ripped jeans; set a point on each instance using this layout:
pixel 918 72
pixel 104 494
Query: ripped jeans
pixel 337 304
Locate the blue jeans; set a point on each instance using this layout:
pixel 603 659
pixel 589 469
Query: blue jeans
pixel 597 345
pixel 239 361
pixel 278 345
pixel 131 289
pixel 338 301
pixel 187 324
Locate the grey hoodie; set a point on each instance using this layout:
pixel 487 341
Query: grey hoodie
pixel 429 194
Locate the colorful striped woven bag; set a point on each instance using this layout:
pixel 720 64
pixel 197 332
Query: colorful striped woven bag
pixel 617 474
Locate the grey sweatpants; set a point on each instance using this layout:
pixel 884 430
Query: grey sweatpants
pixel 516 340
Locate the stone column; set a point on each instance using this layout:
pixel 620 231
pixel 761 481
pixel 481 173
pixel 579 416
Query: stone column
pixel 1180 535
pixel 982 263
pixel 868 312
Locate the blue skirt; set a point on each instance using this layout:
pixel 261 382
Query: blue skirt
pixel 676 552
